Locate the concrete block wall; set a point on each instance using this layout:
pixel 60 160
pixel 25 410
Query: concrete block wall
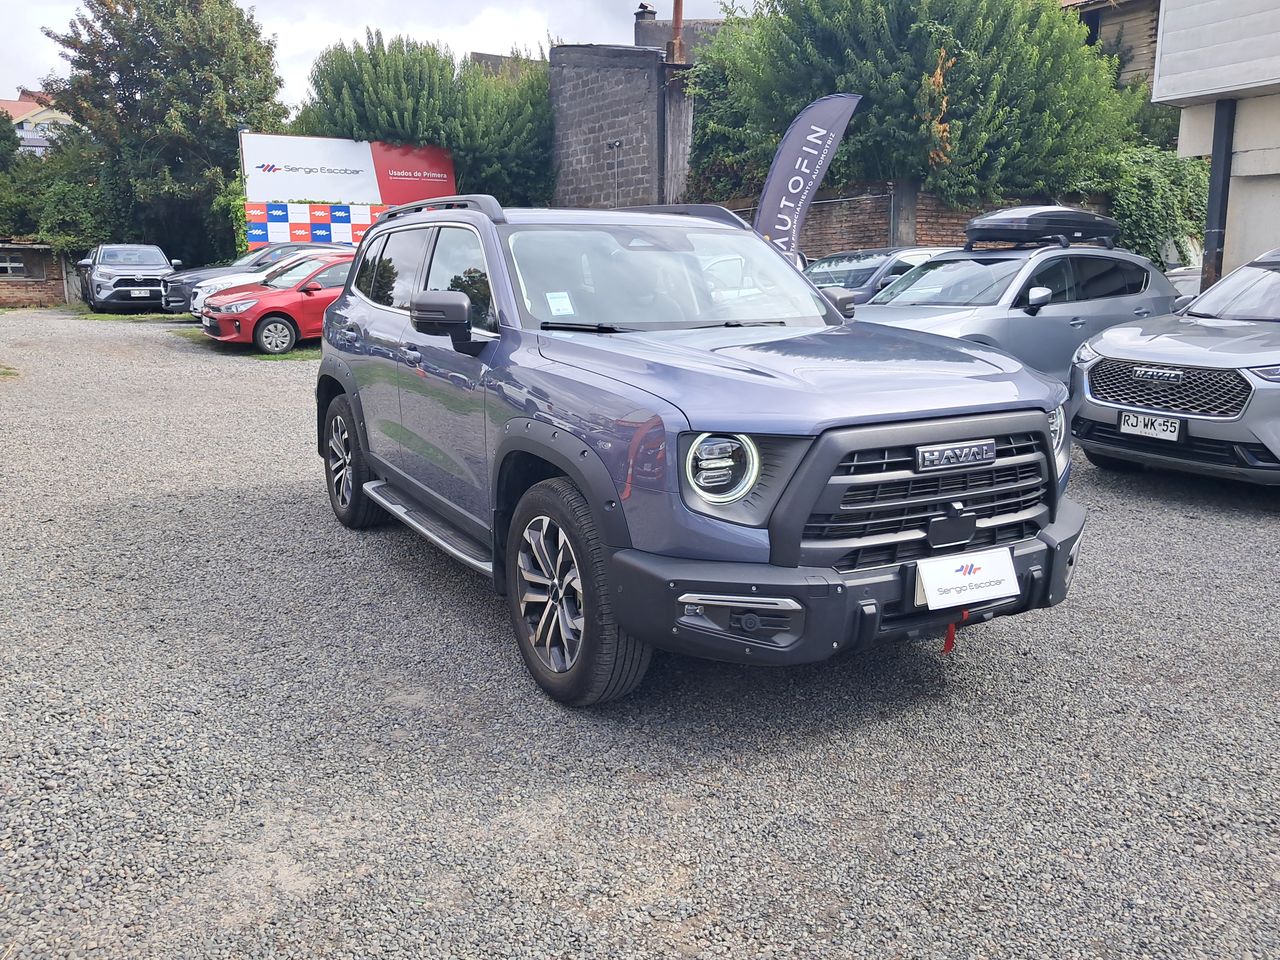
pixel 599 94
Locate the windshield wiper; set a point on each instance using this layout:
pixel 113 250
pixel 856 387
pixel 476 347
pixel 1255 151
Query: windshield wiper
pixel 585 327
pixel 741 323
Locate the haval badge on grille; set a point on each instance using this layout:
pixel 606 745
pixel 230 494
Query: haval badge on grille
pixel 940 455
pixel 1158 374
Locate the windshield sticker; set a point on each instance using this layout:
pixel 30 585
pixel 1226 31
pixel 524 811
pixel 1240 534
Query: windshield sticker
pixel 560 304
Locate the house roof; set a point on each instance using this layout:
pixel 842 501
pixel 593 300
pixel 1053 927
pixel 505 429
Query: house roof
pixel 18 109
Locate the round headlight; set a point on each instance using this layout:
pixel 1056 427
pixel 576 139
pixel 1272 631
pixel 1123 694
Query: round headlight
pixel 722 468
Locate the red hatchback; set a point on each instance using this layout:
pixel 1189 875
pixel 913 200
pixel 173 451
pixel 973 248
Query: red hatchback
pixel 287 306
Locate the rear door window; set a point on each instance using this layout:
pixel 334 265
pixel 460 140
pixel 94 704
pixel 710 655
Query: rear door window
pixel 1099 277
pixel 369 268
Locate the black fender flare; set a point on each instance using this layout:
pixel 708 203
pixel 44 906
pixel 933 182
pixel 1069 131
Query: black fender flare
pixel 573 457
pixel 336 369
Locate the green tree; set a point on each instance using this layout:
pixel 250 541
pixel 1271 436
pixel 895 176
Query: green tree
pixel 162 86
pixel 973 99
pixel 8 142
pixel 498 127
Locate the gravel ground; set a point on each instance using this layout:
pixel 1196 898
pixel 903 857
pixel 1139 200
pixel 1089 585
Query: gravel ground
pixel 230 727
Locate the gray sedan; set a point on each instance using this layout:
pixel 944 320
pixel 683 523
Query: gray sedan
pixel 1198 392
pixel 1036 303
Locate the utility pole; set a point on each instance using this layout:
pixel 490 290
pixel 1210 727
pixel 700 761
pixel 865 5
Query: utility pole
pixel 615 149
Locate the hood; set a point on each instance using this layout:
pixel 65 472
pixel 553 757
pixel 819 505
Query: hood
pixel 801 381
pixel 1194 341
pixel 203 273
pixel 913 318
pixel 133 270
pixel 240 292
pixel 236 279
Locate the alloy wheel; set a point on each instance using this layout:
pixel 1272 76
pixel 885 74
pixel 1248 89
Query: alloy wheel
pixel 550 592
pixel 276 336
pixel 340 462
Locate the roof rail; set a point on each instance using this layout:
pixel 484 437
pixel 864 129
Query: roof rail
pixel 480 202
pixel 1056 238
pixel 708 211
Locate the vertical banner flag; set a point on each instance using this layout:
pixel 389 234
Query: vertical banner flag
pixel 799 165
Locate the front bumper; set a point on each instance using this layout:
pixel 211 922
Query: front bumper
pixel 226 328
pixel 176 298
pixel 768 614
pixel 125 296
pixel 1244 448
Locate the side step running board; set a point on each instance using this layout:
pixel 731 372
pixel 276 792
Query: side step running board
pixel 445 536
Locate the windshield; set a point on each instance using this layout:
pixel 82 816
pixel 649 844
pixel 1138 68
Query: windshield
pixel 132 257
pixel 290 274
pixel 656 277
pixel 1250 293
pixel 247 258
pixel 952 283
pixel 849 271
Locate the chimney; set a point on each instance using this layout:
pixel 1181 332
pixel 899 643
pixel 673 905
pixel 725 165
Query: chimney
pixel 646 12
pixel 675 49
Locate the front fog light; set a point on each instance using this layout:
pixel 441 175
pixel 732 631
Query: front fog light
pixel 722 468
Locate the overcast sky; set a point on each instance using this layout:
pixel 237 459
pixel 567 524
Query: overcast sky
pixel 304 27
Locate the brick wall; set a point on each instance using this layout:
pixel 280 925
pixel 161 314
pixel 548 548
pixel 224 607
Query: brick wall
pixel 938 225
pixel 599 94
pixel 46 292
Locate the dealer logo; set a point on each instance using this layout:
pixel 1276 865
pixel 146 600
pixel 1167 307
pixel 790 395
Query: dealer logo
pixel 267 168
pixel 942 455
pixel 1158 374
pixel 968 569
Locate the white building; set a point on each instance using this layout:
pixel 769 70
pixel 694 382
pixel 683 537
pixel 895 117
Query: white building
pixel 1220 61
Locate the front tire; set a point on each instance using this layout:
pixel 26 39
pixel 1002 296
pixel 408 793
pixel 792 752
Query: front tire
pixel 275 335
pixel 346 470
pixel 559 600
pixel 1114 464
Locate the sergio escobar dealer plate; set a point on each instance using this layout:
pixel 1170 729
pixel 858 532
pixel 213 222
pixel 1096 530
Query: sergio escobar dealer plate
pixel 966 578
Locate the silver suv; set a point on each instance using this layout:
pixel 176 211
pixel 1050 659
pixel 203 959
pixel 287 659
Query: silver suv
pixel 1198 392
pixel 1037 300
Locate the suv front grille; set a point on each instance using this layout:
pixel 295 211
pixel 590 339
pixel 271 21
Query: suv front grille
pixel 1202 392
pixel 136 282
pixel 885 510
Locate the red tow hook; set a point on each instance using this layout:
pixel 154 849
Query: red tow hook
pixel 950 643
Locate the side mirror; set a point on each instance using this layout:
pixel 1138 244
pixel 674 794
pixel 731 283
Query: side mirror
pixel 1183 302
pixel 1037 297
pixel 798 260
pixel 843 300
pixel 177 264
pixel 84 264
pixel 444 313
pixel 885 281
pixel 311 287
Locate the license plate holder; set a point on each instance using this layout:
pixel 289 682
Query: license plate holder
pixel 1146 425
pixel 139 293
pixel 963 579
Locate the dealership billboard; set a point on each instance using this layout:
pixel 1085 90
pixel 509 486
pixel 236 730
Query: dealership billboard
pixel 280 169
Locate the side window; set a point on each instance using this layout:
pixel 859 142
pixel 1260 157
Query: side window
pixel 274 255
pixel 458 264
pixel 334 276
pixel 389 271
pixel 369 268
pixel 1054 274
pixel 904 266
pixel 1098 277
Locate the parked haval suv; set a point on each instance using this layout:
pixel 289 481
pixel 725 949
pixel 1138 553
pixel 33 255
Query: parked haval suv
pixel 642 455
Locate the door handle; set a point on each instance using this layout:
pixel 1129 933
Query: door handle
pixel 1142 312
pixel 1076 321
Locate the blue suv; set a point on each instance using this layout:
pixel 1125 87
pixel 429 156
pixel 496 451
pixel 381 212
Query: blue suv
pixel 650 431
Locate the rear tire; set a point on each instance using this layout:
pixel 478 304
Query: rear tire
pixel 559 600
pixel 1114 464
pixel 346 470
pixel 275 335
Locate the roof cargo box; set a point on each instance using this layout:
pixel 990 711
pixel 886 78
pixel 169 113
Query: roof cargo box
pixel 1030 224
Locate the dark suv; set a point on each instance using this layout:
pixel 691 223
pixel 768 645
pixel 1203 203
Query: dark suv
pixel 643 448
